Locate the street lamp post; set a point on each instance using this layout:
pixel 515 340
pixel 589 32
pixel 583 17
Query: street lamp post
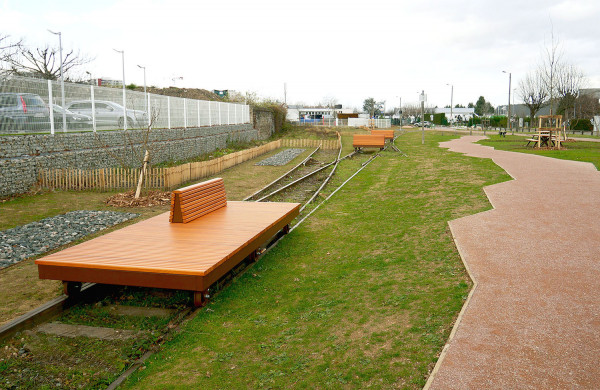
pixel 124 97
pixel 400 111
pixel 422 97
pixel 176 78
pixel 451 104
pixel 514 92
pixel 508 123
pixel 145 94
pixel 62 80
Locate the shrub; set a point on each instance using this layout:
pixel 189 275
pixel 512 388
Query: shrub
pixel 279 111
pixel 440 119
pixel 581 124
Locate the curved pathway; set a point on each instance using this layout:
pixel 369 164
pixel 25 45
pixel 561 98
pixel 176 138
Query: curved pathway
pixel 532 320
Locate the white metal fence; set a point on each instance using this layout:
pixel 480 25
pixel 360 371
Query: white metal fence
pixel 25 108
pixel 377 123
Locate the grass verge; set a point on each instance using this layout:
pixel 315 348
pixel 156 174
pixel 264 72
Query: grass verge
pixel 362 295
pixel 579 150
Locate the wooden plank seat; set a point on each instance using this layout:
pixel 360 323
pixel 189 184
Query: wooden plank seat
pixel 208 236
pixel 387 134
pixel 360 141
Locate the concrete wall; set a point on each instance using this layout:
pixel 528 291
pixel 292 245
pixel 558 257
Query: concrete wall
pixel 22 156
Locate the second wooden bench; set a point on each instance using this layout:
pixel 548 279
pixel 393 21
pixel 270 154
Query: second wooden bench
pixel 360 141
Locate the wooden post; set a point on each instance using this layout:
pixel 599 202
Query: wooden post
pixel 142 173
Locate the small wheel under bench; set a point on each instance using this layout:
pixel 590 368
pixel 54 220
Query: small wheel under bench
pixel 200 298
pixel 71 289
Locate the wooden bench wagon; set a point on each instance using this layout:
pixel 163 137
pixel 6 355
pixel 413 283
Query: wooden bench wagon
pixel 360 141
pixel 387 134
pixel 189 248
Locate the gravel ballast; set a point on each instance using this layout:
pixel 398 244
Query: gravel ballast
pixel 35 238
pixel 282 157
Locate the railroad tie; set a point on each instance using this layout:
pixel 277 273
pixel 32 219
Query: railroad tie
pixel 95 332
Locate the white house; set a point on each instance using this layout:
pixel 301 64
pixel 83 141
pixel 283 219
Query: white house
pixel 456 114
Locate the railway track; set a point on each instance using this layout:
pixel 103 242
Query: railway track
pixel 128 321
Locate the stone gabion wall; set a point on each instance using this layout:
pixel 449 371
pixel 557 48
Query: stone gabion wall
pixel 22 156
pixel 263 122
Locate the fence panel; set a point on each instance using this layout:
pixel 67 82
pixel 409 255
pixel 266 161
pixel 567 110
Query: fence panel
pixel 25 108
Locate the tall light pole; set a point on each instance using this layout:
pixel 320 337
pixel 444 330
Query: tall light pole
pixel 508 123
pixel 145 94
pixel 422 98
pixel 514 109
pixel 176 78
pixel 451 102
pixel 124 100
pixel 400 110
pixel 62 81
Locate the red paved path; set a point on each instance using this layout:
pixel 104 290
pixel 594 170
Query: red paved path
pixel 533 319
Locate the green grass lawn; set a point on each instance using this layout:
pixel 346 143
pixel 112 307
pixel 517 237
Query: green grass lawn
pixel 363 294
pixel 578 150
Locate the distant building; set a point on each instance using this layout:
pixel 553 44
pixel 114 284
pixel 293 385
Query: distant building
pixel 456 114
pixel 108 82
pixel 521 110
pixel 298 113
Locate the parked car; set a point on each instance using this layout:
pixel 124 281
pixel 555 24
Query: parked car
pixel 23 111
pixel 423 124
pixel 74 120
pixel 109 113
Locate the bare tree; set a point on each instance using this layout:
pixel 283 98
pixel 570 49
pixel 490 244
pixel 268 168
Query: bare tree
pixel 411 109
pixel 549 69
pixel 8 50
pixel 44 62
pixel 586 106
pixel 331 102
pixel 137 148
pixel 570 80
pixel 533 92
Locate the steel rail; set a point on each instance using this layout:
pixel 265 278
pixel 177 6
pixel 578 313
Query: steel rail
pixel 284 175
pixel 46 312
pixel 336 190
pixel 327 179
pixel 296 181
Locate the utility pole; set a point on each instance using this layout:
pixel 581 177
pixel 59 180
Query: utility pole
pixel 508 123
pixel 400 111
pixel 124 96
pixel 422 98
pixel 145 94
pixel 285 93
pixel 452 104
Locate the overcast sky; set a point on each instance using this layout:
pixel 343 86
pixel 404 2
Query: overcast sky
pixel 349 50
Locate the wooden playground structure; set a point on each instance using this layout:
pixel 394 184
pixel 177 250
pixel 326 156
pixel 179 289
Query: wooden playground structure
pixel 551 132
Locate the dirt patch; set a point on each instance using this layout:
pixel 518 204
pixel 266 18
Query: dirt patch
pixel 127 199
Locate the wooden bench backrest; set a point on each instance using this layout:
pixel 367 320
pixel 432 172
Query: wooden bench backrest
pixel 387 134
pixel 369 141
pixel 191 202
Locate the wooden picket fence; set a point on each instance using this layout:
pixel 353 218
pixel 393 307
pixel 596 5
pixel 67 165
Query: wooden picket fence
pixel 164 178
pixel 327 144
pixel 161 178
